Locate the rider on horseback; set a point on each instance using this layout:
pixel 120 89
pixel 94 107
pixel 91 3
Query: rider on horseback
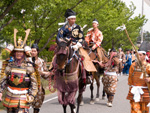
pixel 71 35
pixel 71 31
pixel 94 37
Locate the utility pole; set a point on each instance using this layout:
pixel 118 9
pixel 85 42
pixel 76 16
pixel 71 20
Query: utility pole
pixel 142 26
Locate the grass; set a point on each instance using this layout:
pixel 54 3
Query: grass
pixel 46 86
pixel 1 106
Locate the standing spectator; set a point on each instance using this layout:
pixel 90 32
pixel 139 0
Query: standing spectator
pixel 128 62
pixel 122 60
pixel 133 55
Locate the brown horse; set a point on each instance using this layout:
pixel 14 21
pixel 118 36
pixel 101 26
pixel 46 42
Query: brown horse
pixel 103 57
pixel 67 76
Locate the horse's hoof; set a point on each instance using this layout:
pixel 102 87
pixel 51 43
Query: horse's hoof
pixel 92 102
pixel 82 103
pixel 97 99
pixel 109 104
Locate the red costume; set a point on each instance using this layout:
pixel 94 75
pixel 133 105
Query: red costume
pixel 95 36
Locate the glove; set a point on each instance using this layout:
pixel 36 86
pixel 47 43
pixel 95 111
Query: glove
pixel 77 46
pixel 29 98
pixel 94 47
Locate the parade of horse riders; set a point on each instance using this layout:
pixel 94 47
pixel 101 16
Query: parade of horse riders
pixel 90 55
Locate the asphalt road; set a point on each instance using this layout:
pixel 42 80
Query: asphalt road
pixel 120 104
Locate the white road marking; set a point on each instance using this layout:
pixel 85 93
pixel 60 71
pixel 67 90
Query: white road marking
pixel 50 99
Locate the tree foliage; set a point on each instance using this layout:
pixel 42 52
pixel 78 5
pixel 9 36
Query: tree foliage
pixel 43 16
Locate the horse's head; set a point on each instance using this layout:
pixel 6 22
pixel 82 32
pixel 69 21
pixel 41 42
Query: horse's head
pixel 62 53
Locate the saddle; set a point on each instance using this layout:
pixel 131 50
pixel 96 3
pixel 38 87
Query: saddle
pixel 87 62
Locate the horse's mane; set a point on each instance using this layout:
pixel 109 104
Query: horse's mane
pixel 104 54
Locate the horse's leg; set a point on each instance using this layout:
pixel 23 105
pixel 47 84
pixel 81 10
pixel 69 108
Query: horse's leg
pixel 64 107
pixel 92 88
pixel 97 78
pixel 78 102
pixel 72 107
pixel 82 102
pixel 80 98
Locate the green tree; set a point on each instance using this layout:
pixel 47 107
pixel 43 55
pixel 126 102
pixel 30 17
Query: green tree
pixel 43 16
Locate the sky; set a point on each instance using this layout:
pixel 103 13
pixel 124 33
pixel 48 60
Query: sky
pixel 138 4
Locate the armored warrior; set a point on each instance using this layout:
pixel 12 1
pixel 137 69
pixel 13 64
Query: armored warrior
pixel 109 79
pixel 71 31
pixel 138 89
pixel 18 78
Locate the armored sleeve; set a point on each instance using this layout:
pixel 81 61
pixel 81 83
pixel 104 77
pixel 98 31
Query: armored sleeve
pixel 99 39
pixel 81 35
pixel 87 38
pixel 44 66
pixel 3 76
pixel 131 70
pixel 63 33
pixel 34 85
pixel 45 75
pixel 3 80
pixel 59 35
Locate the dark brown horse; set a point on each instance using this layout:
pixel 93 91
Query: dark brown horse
pixel 67 76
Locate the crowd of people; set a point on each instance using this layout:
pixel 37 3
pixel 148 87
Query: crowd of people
pixel 125 60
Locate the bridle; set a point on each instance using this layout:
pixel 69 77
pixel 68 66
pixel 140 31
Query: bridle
pixel 69 59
